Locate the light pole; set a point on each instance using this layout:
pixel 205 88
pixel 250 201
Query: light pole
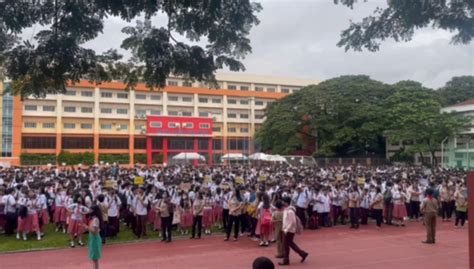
pixel 442 151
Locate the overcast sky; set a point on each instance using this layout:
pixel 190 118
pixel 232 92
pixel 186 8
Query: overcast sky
pixel 297 38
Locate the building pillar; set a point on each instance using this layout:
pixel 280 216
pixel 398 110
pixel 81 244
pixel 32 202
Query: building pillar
pixel 196 149
pixel 149 151
pixel 131 129
pixel 165 150
pixel 17 125
pixel 209 151
pixel 470 204
pixel 96 129
pixel 59 124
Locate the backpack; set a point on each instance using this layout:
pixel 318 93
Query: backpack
pixel 267 217
pixel 387 196
pixel 299 226
pixel 313 223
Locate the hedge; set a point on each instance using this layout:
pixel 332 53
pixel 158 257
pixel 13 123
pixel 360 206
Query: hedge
pixel 37 159
pixel 86 158
pixel 114 158
pixel 142 158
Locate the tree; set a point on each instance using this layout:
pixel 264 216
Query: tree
pixel 414 116
pixel 401 18
pixel 57 56
pixel 457 90
pixel 346 112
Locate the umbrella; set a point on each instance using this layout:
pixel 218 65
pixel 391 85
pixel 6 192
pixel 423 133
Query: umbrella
pixel 277 158
pixel 189 156
pixel 234 157
pixel 259 156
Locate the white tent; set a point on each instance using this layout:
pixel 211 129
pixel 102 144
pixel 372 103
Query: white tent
pixel 277 158
pixel 259 156
pixel 234 157
pixel 189 156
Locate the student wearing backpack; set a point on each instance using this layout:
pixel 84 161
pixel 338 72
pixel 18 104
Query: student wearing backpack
pixel 265 220
pixel 291 226
pixel 388 204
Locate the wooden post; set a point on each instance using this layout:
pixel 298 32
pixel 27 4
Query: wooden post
pixel 470 206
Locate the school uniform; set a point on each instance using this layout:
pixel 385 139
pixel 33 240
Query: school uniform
pixel 76 221
pixel 198 207
pixel 277 219
pixel 377 208
pixel 140 206
pixel 289 229
pixel 354 209
pixel 113 213
pixel 10 214
pixel 429 208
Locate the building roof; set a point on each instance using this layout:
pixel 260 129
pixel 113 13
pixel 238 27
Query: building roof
pixel 465 103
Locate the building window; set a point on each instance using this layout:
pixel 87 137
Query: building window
pixel 106 126
pixel 106 110
pixel 140 127
pixel 122 111
pixel 140 112
pixel 48 125
pixel 231 115
pixel 244 116
pixel 155 112
pixel 285 90
pixel 122 95
pixel 173 125
pixel 172 83
pixel 271 89
pixel 187 84
pixel 204 126
pixel 188 125
pixel 231 130
pixel 122 127
pixel 258 89
pixel 180 143
pixel 173 98
pixel 30 108
pixel 231 101
pixel 29 124
pixel 244 88
pixel 244 102
pixel 140 143
pixel 155 124
pixel 86 125
pixel 217 144
pixel 187 113
pixel 77 142
pixel 87 93
pixel 86 109
pixel 203 144
pixel 244 130
pixel 259 103
pixel 203 100
pixel 49 108
pixel 70 93
pixel 216 101
pixel 216 129
pixel 35 142
pixel 232 87
pixel 259 116
pixel 155 97
pixel 106 94
pixel 237 144
pixel 113 143
pixel 68 125
pixel 172 113
pixel 296 89
pixel 71 109
pixel 140 96
pixel 187 99
pixel 204 114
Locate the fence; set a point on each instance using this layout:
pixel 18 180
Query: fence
pixel 366 161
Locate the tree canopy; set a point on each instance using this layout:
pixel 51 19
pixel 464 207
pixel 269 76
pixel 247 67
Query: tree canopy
pixel 57 56
pixel 354 115
pixel 401 18
pixel 457 90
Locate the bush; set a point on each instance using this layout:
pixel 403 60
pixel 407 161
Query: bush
pixel 158 158
pixel 86 158
pixel 37 159
pixel 140 158
pixel 115 158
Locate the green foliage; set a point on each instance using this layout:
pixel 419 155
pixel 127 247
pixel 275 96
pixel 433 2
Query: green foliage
pixel 457 90
pixel 401 18
pixel 86 158
pixel 404 156
pixel 115 158
pixel 37 159
pixel 158 158
pixel 58 55
pixel 140 158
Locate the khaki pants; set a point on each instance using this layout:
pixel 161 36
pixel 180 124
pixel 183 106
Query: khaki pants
pixel 430 225
pixel 279 240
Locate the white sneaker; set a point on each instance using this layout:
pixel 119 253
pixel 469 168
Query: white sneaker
pixel 17 236
pixel 25 238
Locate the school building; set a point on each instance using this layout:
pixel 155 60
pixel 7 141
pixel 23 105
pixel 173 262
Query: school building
pixel 111 123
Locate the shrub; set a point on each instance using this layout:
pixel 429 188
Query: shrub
pixel 114 158
pixel 37 159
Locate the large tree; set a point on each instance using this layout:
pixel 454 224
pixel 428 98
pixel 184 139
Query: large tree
pixel 57 55
pixel 400 18
pixel 457 90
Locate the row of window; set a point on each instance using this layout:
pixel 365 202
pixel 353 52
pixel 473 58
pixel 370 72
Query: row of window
pixel 174 125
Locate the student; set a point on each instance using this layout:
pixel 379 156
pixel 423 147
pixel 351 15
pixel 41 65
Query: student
pixel 140 204
pixel 186 213
pixel 207 215
pixel 28 220
pixel 415 195
pixel 198 208
pixel 94 242
pixel 354 199
pixel 10 211
pixel 364 206
pixel 377 206
pixel 264 220
pixel 460 197
pixel 236 205
pixel 277 220
pixel 429 208
pixel 263 263
pixel 113 213
pixel 166 215
pixel 60 210
pixel 77 212
pixel 290 227
pixel 399 208
pixel 104 208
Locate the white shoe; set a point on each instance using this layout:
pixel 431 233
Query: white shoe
pixel 25 238
pixel 17 236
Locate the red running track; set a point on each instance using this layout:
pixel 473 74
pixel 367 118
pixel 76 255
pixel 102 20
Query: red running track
pixel 330 248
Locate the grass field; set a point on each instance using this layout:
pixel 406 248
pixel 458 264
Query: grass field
pixel 53 239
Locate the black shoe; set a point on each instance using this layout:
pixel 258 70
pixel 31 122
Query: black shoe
pixel 283 263
pixel 303 258
pixel 279 257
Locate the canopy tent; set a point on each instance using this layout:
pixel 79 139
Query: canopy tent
pixel 234 157
pixel 259 156
pixel 189 156
pixel 277 158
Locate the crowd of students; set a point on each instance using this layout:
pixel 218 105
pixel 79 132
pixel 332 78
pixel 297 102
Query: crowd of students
pixel 239 199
